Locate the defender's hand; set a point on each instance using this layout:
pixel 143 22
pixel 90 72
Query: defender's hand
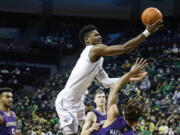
pixel 138 77
pixel 138 66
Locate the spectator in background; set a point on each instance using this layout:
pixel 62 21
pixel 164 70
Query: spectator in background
pixel 163 128
pixel 146 84
pixel 176 97
pixel 175 49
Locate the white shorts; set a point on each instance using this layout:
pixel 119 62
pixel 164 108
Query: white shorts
pixel 70 116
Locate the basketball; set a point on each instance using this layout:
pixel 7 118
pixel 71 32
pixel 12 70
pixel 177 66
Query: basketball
pixel 150 15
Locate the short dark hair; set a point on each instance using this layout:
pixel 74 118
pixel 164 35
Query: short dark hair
pixel 134 109
pixel 5 89
pixel 99 91
pixel 84 31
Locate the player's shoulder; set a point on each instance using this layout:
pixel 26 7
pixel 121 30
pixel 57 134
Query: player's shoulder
pixel 98 48
pixel 97 51
pixel 14 114
pixel 100 45
pixel 91 115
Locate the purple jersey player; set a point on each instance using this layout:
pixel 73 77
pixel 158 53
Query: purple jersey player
pixel 118 127
pixel 7 117
pixel 96 118
pixel 101 117
pixel 116 124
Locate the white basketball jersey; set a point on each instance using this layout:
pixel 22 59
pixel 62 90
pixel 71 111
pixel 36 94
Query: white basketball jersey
pixel 82 74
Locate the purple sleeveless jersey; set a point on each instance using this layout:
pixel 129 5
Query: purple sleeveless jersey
pixel 100 119
pixel 9 124
pixel 118 127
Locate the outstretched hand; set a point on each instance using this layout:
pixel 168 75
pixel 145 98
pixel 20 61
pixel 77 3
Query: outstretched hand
pixel 155 26
pixel 136 70
pixel 138 77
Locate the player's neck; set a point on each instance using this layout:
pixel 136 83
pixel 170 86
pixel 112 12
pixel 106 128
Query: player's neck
pixel 101 109
pixel 4 108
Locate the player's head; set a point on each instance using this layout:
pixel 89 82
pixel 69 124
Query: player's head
pixel 100 98
pixel 89 35
pixel 134 109
pixel 6 97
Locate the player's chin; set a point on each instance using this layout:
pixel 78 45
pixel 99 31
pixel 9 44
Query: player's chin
pixel 102 104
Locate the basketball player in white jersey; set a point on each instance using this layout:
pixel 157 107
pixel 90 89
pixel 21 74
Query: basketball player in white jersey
pixel 69 104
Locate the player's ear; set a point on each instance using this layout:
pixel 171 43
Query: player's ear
pixel 86 39
pixel 94 99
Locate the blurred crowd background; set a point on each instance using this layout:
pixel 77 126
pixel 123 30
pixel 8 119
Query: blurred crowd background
pixel 38 49
pixel 34 104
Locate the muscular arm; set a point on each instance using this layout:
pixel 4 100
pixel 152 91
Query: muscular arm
pixel 116 88
pixel 90 119
pixel 104 50
pixel 14 114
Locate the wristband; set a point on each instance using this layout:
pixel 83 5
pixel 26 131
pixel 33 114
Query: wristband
pixel 146 33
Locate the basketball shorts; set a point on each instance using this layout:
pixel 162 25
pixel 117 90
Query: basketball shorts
pixel 70 116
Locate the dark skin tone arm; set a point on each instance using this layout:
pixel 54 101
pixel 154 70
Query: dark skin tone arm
pixel 103 50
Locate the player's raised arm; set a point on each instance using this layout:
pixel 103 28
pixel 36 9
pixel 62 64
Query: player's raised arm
pixel 104 50
pixel 116 88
